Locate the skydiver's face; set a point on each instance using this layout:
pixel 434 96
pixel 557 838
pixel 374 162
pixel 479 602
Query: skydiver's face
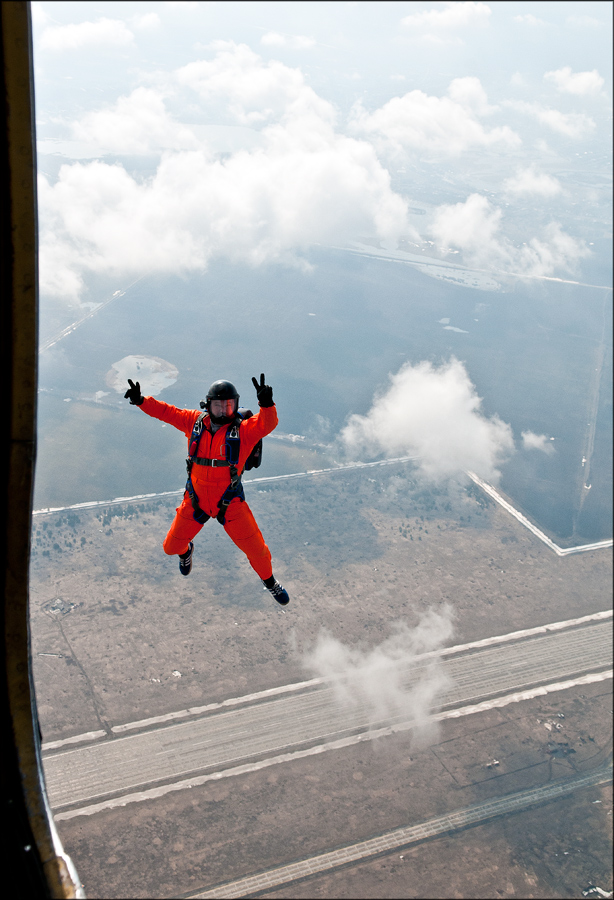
pixel 221 408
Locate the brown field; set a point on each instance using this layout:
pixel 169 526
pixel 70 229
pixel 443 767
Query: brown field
pixel 112 620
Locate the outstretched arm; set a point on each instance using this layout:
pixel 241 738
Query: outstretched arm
pixel 183 419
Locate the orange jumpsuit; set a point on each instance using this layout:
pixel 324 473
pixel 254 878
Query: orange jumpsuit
pixel 211 482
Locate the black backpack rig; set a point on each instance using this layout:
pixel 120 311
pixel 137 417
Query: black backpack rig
pixel 233 447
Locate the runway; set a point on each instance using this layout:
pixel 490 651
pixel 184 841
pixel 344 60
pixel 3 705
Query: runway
pixel 312 718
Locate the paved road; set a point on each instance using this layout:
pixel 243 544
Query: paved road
pixel 313 716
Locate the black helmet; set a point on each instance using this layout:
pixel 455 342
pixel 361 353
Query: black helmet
pixel 220 390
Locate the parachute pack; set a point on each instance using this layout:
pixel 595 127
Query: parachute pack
pixel 233 447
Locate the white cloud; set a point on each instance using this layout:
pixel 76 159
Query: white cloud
pixel 302 184
pixel 469 93
pixel 454 15
pixel 253 92
pixel 274 39
pixel 135 124
pixel 579 83
pixel 556 251
pixel 531 441
pixel 86 34
pixel 528 181
pixel 474 228
pixel 293 41
pixel 573 125
pixel 471 226
pixel 447 124
pixel 388 680
pixel 433 413
pixel 299 189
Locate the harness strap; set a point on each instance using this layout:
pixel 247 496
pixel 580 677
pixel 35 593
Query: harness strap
pixel 199 514
pixel 214 463
pixel 235 488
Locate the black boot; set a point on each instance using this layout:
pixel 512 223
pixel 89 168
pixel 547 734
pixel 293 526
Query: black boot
pixel 185 560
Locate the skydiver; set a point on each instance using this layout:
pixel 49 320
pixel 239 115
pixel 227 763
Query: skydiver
pixel 213 488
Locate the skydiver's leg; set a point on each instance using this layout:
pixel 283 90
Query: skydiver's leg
pixel 242 529
pixel 182 531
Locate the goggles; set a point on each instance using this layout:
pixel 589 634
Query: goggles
pixel 219 408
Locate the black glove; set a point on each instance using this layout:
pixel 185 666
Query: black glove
pixel 264 392
pixel 133 394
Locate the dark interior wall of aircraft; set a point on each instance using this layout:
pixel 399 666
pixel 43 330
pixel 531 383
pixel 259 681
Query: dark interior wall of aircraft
pixel 34 861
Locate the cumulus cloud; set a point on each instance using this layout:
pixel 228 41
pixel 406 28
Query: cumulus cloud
pixel 471 226
pixel 469 93
pixel 253 92
pixel 433 413
pixel 555 251
pixel 531 441
pixel 135 124
pixel 530 182
pixel 442 124
pixel 573 125
pixel 454 15
pixel 578 83
pixel 85 34
pixel 296 190
pixel 474 227
pixel 393 680
pixel 303 184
